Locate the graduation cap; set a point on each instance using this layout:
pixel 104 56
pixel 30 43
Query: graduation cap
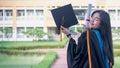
pixel 64 16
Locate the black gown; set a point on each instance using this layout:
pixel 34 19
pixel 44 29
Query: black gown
pixel 77 56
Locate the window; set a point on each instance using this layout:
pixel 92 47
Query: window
pixel 1 32
pixel 118 12
pixel 8 32
pixel 39 12
pixel 102 6
pixel 76 6
pixel 93 6
pixel 28 28
pixel 84 6
pixel 48 6
pixel 52 30
pixel 20 32
pixel 40 28
pixel 20 13
pixel 1 12
pixel 58 6
pixel 98 6
pixel 8 12
pixel 30 12
pixel 113 28
pixel 53 6
pixel 112 14
pixel 80 14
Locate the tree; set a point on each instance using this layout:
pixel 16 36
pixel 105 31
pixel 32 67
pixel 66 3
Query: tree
pixel 117 31
pixel 7 31
pixel 29 32
pixel 1 32
pixel 79 29
pixel 1 29
pixel 36 33
pixel 39 32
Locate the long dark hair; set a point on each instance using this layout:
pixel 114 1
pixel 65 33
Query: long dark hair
pixel 105 31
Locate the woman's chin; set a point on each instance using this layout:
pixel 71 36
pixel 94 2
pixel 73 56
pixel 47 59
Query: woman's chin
pixel 91 27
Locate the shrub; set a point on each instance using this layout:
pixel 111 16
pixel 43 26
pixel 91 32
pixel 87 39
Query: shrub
pixel 116 52
pixel 48 60
pixel 116 46
pixel 19 52
pixel 26 46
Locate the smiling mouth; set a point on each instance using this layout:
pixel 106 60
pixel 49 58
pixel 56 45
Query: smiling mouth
pixel 92 24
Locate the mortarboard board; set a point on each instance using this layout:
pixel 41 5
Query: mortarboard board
pixel 64 16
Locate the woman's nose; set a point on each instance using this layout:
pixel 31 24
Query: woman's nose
pixel 91 21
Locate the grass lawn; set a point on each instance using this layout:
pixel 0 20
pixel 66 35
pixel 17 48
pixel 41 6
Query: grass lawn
pixel 12 61
pixel 117 62
pixel 28 61
pixel 7 61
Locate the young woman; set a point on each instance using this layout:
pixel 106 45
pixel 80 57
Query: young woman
pixel 101 48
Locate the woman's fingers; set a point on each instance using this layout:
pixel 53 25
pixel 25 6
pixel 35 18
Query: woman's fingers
pixel 63 27
pixel 84 28
pixel 65 30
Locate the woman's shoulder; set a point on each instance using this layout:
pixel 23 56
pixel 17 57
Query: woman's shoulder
pixel 92 34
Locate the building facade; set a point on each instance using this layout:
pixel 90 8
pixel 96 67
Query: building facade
pixel 22 15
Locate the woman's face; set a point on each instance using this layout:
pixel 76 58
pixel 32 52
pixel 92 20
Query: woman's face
pixel 95 21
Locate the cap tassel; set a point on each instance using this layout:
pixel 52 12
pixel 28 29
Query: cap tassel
pixel 60 34
pixel 61 29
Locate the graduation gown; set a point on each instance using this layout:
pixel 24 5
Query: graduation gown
pixel 77 56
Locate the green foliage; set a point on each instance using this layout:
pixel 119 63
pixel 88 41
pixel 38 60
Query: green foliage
pixel 116 46
pixel 117 62
pixel 29 32
pixel 39 32
pixel 19 52
pixel 7 31
pixel 116 31
pixel 19 61
pixel 116 52
pixel 1 29
pixel 48 60
pixel 50 36
pixel 35 33
pixel 79 29
pixel 72 28
pixel 24 45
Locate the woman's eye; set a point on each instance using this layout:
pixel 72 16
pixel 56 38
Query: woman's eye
pixel 97 20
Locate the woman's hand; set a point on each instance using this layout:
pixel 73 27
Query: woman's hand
pixel 84 28
pixel 66 31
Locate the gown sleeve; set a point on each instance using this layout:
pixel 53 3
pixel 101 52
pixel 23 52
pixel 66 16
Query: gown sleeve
pixel 75 52
pixel 71 52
